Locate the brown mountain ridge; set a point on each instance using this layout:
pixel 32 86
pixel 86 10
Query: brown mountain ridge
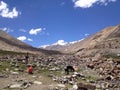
pixel 9 43
pixel 104 41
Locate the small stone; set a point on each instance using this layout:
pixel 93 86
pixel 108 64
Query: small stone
pixel 15 86
pixel 61 85
pixel 37 82
pixel 14 73
pixel 75 87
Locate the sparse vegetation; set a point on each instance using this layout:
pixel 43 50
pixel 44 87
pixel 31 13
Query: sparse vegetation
pixel 112 55
pixel 2 52
pixel 45 62
pixel 6 65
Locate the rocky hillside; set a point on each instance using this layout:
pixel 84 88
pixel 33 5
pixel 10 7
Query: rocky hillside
pixel 106 40
pixel 96 61
pixel 9 43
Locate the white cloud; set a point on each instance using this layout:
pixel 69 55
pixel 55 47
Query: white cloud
pixel 22 30
pixel 3 5
pixel 35 31
pixel 6 29
pixel 44 46
pixel 73 42
pixel 60 42
pixel 29 39
pixel 86 35
pixel 90 3
pixel 5 12
pixel 22 38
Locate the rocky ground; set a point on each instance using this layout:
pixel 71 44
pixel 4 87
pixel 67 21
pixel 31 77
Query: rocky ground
pixel 49 74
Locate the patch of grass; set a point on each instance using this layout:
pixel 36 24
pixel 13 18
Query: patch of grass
pixel 46 72
pixel 112 55
pixel 10 53
pixel 45 75
pixel 21 65
pixel 4 65
pixel 91 75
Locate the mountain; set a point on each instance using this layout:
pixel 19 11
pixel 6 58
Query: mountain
pixel 9 43
pixel 53 47
pixel 59 46
pixel 104 41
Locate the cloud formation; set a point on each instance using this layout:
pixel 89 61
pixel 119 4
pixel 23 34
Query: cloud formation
pixel 44 46
pixel 86 34
pixel 7 29
pixel 90 3
pixel 60 42
pixel 29 39
pixel 22 38
pixel 6 13
pixel 22 30
pixel 35 31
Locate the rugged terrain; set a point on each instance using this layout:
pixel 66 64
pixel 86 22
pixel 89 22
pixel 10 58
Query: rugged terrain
pixel 106 40
pixel 96 63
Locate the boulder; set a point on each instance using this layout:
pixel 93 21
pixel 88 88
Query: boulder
pixel 37 82
pixel 82 86
pixel 15 86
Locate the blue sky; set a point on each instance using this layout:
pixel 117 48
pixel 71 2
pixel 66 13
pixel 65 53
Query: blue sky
pixel 45 22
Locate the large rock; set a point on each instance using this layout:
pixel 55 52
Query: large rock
pixel 82 86
pixel 14 86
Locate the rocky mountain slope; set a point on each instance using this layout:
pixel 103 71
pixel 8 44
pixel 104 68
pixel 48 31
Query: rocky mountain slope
pixel 106 40
pixel 9 43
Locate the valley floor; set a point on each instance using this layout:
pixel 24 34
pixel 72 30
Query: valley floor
pixel 49 74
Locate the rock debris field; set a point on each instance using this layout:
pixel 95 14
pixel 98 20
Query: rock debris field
pixel 49 73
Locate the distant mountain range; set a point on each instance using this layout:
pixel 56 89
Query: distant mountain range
pixel 104 41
